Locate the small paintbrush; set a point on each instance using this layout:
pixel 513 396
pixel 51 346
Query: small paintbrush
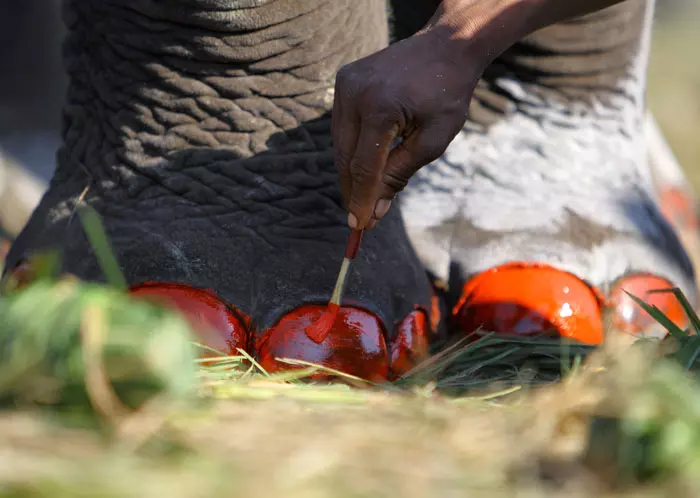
pixel 318 330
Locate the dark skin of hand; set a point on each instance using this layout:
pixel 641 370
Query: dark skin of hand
pixel 418 90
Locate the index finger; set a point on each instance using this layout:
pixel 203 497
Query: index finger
pixel 367 167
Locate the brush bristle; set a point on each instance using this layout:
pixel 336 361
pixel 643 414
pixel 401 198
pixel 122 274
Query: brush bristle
pixel 318 331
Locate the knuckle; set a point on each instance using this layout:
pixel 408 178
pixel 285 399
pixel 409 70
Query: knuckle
pixel 395 180
pixel 383 119
pixel 381 101
pixel 373 100
pixel 431 151
pixel 377 119
pixel 345 70
pixel 346 83
pixel 362 171
pixel 342 159
pixel 343 74
pixel 359 205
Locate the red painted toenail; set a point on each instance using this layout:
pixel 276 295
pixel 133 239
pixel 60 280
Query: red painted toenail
pixel 410 346
pixel 530 299
pixel 355 344
pixel 678 207
pixel 5 245
pixel 21 275
pixel 216 324
pixel 630 317
pixel 435 313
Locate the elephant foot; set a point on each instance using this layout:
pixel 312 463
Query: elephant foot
pixel 541 228
pixel 263 303
pixel 527 299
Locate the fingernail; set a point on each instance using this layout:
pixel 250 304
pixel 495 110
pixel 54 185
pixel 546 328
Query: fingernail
pixel 352 221
pixel 381 208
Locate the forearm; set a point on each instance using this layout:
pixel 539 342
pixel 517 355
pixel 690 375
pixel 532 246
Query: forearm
pixel 547 12
pixel 480 30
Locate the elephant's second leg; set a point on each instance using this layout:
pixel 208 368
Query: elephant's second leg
pixel 543 211
pixel 202 137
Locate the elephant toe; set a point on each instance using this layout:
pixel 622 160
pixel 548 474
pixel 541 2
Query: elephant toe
pixel 19 276
pixel 525 299
pixel 410 343
pixel 629 317
pixel 678 206
pixel 216 325
pixel 355 344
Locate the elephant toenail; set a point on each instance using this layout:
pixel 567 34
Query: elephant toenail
pixel 629 317
pixel 355 344
pixel 678 207
pixel 216 325
pixel 525 299
pixel 20 276
pixel 5 245
pixel 410 344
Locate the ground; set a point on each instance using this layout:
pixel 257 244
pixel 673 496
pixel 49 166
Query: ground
pixel 624 422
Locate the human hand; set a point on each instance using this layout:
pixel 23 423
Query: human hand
pixel 417 90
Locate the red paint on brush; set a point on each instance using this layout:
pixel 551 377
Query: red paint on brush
pixel 319 330
pixel 353 244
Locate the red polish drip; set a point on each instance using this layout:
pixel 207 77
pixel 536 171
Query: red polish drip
pixel 319 330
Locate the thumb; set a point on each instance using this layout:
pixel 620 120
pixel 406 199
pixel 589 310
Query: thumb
pixel 404 161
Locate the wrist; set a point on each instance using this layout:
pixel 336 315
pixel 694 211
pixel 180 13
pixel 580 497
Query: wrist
pixel 480 30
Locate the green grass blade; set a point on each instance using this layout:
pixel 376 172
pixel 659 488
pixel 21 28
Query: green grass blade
pixel 252 361
pixel 687 307
pixel 659 316
pixel 689 352
pixel 100 244
pixel 199 345
pixel 324 369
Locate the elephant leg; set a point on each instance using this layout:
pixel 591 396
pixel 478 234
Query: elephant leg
pixel 544 210
pixel 201 135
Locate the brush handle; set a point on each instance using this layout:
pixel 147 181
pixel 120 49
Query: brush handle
pixel 353 243
pixel 340 282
